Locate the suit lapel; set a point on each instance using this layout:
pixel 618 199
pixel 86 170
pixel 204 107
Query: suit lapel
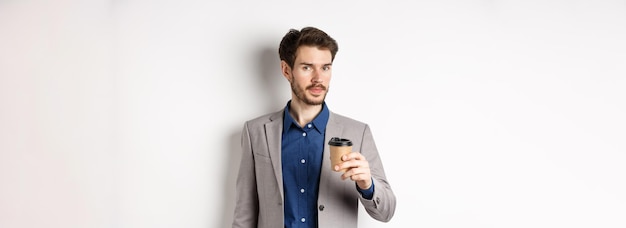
pixel 274 135
pixel 333 129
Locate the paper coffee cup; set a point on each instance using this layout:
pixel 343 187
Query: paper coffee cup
pixel 338 147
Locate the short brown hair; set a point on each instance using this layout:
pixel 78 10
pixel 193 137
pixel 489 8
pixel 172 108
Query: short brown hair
pixel 308 36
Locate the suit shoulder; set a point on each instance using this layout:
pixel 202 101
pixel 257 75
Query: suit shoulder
pixel 260 120
pixel 344 120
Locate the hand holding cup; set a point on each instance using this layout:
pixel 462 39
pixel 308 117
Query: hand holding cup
pixel 338 148
pixel 355 166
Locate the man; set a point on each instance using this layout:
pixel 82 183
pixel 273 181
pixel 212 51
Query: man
pixel 285 178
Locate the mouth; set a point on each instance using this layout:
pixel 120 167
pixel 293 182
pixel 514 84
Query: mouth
pixel 316 89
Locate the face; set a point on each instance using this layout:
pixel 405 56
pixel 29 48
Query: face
pixel 310 75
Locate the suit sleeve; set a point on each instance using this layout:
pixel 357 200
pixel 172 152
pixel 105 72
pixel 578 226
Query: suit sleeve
pixel 247 202
pixel 382 206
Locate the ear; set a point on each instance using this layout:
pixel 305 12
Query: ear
pixel 286 70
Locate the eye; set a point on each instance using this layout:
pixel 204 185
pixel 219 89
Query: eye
pixel 306 68
pixel 326 68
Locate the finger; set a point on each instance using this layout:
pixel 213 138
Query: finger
pixel 356 173
pixel 354 164
pixel 350 164
pixel 348 175
pixel 353 156
pixel 357 177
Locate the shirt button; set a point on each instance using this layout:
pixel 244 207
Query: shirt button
pixel 321 207
pixel 302 220
pixel 302 161
pixel 302 190
pixel 304 134
pixel 310 125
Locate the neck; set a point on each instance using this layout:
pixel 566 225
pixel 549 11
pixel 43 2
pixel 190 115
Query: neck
pixel 303 113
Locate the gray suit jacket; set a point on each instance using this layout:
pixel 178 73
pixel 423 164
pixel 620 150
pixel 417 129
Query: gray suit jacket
pixel 259 190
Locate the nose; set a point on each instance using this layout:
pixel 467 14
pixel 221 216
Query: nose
pixel 316 77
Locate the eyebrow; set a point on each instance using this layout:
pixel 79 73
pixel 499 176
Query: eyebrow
pixel 311 64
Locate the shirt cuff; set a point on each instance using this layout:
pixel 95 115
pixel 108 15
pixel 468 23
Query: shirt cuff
pixel 368 194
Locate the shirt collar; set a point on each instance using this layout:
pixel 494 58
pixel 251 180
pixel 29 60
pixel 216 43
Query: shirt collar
pixel 319 122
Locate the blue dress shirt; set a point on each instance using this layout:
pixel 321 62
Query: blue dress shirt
pixel 302 152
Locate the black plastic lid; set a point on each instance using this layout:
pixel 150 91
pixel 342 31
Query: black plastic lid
pixel 336 141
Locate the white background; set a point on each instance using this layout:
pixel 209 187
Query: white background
pixel 127 114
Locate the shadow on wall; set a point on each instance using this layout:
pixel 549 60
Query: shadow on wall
pixel 232 168
pixel 271 83
pixel 271 79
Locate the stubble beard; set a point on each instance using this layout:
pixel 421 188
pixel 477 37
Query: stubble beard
pixel 301 95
